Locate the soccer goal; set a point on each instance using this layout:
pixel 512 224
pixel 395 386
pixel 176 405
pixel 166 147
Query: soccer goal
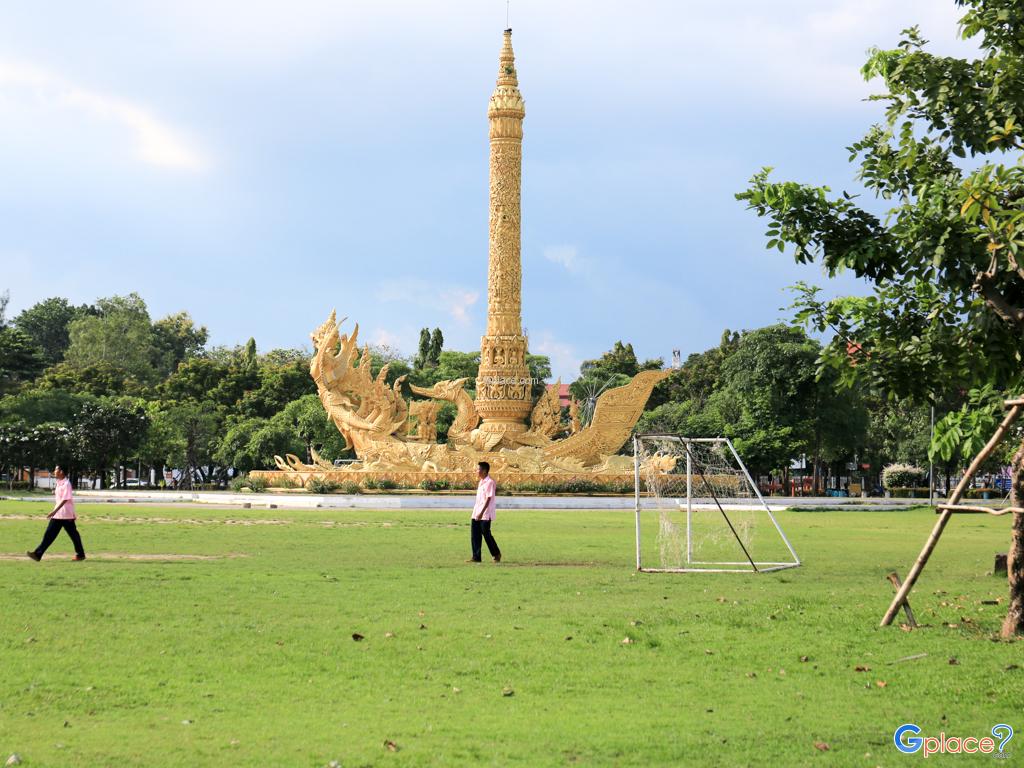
pixel 699 511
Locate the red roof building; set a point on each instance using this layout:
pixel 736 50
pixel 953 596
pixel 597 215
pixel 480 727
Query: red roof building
pixel 563 394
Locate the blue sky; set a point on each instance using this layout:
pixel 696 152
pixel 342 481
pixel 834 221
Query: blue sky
pixel 259 163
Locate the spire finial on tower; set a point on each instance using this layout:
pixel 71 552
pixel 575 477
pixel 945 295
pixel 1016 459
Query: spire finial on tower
pixel 507 66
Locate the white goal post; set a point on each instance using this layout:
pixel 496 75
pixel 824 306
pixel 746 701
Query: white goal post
pixel 699 511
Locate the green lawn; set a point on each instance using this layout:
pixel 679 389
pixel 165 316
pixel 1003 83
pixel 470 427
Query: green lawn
pixel 247 658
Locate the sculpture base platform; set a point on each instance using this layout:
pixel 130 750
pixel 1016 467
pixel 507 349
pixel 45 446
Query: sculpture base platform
pixel 612 481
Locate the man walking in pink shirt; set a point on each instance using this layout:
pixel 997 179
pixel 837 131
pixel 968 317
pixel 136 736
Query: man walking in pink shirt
pixel 62 517
pixel 483 514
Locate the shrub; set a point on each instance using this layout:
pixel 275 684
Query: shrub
pixel 246 482
pixel 903 476
pixel 981 493
pixel 435 485
pixel 285 482
pixel 909 493
pixel 350 487
pixel 381 485
pixel 321 485
pixel 574 485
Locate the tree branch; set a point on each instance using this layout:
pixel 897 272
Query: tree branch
pixel 1014 263
pixel 985 284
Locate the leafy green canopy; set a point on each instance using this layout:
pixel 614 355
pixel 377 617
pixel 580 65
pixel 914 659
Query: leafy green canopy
pixel 760 388
pixel 945 163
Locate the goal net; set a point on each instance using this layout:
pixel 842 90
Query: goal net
pixel 698 510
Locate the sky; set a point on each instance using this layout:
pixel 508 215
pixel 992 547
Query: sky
pixel 261 163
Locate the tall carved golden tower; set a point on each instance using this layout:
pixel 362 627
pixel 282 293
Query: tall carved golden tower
pixel 503 396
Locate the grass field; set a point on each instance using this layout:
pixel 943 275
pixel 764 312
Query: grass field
pixel 243 654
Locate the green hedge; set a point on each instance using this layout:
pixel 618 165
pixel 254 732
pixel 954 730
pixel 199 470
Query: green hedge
pixel 908 493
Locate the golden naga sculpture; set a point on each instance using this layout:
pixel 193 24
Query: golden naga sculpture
pixel 503 425
pixel 372 417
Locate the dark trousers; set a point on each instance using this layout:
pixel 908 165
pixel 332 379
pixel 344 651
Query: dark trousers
pixel 53 529
pixel 481 529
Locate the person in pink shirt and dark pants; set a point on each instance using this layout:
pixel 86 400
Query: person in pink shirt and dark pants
pixel 483 514
pixel 62 517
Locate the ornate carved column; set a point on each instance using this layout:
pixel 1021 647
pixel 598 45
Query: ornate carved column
pixel 503 397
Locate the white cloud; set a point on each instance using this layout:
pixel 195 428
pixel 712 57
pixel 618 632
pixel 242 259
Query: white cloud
pixel 565 255
pixel 156 142
pixel 565 360
pixel 455 300
pixel 385 338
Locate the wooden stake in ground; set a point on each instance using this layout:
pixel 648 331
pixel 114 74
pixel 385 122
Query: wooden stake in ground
pixel 1016 565
pixel 895 579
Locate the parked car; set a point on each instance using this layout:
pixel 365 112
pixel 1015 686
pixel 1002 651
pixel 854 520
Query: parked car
pixel 135 482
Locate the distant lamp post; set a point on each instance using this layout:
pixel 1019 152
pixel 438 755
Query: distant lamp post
pixel 931 463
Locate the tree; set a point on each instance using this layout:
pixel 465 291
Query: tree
pixel 434 350
pixel 221 381
pixel 20 359
pixel 38 406
pixel 540 371
pixel 176 339
pixel 106 432
pixel 278 385
pixel 97 379
pixel 948 308
pixel 766 403
pixel 236 448
pixel 46 323
pixel 429 349
pixel 761 389
pixel 33 446
pixel 306 419
pixel 13 444
pixel 613 369
pixel 698 377
pixel 120 334
pixel 450 365
pixel 197 427
pixel 423 349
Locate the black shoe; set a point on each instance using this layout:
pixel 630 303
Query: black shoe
pixel 497 558
pixel 79 557
pixel 34 556
pixel 471 560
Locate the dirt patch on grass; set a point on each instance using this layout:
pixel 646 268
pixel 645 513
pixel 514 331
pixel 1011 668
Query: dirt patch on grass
pixel 133 556
pixel 507 564
pixel 158 520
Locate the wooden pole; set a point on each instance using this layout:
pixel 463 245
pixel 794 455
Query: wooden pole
pixel 980 510
pixel 895 579
pixel 940 524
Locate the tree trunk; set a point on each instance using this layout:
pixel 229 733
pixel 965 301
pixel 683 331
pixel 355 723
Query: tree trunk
pixel 1014 624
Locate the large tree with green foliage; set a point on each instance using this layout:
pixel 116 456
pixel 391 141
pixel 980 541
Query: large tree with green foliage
pixel 119 334
pixel 107 432
pixel 46 323
pixel 944 250
pixel 176 338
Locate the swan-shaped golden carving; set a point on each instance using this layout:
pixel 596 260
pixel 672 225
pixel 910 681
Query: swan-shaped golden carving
pixel 372 417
